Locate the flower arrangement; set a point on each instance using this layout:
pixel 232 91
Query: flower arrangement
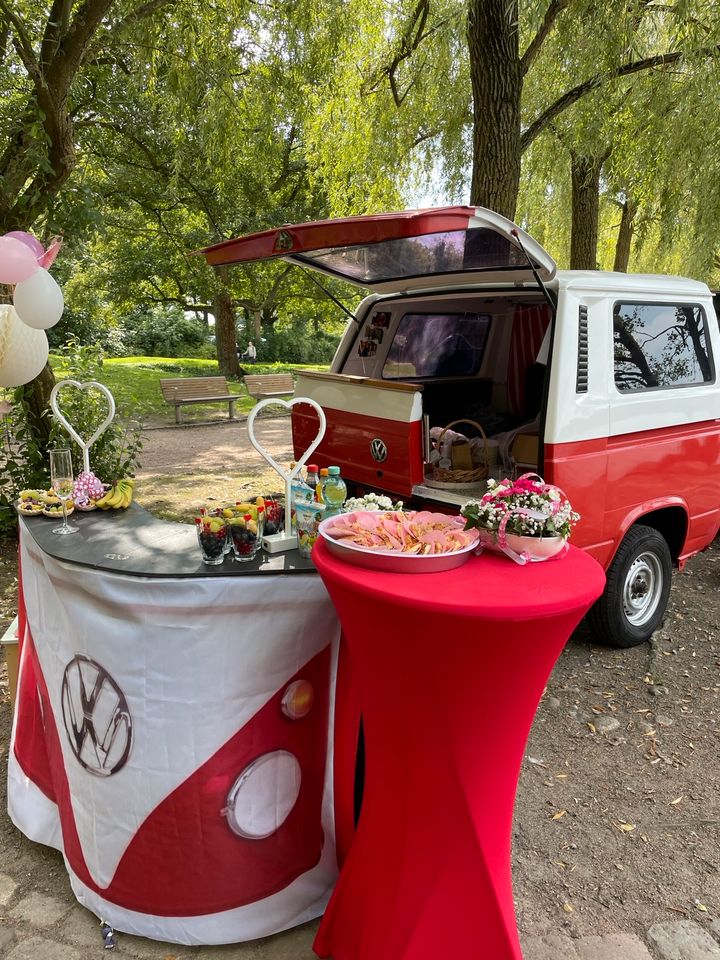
pixel 371 501
pixel 526 507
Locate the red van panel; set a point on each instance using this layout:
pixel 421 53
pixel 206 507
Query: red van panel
pixel 350 440
pixel 614 481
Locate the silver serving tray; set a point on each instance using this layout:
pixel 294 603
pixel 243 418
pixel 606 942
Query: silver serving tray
pixel 388 561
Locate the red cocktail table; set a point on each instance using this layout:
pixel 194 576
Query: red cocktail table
pixel 450 668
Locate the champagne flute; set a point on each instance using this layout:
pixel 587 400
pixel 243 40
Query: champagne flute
pixel 61 477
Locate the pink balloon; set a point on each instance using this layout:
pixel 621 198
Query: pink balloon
pixel 29 240
pixel 48 258
pixel 17 261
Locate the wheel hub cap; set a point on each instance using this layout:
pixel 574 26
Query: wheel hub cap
pixel 642 589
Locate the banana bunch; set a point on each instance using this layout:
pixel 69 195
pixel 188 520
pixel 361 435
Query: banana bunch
pixel 118 497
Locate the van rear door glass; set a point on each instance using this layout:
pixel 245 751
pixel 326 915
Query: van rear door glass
pixel 660 345
pixel 455 251
pixel 437 345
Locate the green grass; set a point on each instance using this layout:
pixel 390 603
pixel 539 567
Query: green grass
pixel 135 384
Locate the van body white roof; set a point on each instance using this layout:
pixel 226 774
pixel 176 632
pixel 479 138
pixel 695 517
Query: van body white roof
pixel 601 281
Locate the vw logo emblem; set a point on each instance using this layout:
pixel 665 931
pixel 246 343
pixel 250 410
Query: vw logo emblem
pixel 378 450
pixel 96 717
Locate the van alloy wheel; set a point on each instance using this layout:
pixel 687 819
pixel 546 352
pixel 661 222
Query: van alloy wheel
pixel 636 594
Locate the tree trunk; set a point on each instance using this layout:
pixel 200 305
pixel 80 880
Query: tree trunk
pixel 585 211
pixel 495 72
pixel 36 395
pixel 256 315
pixel 625 236
pixel 225 340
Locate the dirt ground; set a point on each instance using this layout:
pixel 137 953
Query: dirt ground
pixel 183 467
pixel 617 824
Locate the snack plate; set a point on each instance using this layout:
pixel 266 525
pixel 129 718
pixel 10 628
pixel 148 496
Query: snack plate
pixel 390 562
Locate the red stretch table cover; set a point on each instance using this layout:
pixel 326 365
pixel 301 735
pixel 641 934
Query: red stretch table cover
pixel 450 668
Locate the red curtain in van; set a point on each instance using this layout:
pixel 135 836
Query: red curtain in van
pixel 529 326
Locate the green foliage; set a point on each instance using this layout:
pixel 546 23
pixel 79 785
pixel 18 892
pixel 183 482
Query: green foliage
pixel 115 454
pixel 298 342
pixel 135 382
pixel 88 327
pixel 162 332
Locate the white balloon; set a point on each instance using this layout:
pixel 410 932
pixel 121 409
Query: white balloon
pixel 23 351
pixel 38 300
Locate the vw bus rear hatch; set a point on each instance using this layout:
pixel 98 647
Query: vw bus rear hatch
pixel 412 250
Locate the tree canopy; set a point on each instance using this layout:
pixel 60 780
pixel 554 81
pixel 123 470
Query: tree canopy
pixel 145 129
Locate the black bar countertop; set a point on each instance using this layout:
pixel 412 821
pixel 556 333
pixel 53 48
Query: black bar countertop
pixel 136 543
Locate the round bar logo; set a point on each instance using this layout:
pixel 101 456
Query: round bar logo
pixel 378 450
pixel 96 717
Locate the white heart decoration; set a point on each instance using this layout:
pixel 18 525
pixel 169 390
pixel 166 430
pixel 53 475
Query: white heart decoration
pixel 287 476
pixel 83 444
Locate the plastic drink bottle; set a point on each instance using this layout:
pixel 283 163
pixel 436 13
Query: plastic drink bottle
pixel 321 482
pixel 312 478
pixel 334 492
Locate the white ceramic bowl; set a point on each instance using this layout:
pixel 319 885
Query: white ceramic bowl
pixel 539 548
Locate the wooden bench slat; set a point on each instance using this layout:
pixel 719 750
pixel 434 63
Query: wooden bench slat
pixel 180 391
pixel 264 385
pixel 222 399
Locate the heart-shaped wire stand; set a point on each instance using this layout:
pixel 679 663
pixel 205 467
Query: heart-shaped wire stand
pixel 287 540
pixel 83 444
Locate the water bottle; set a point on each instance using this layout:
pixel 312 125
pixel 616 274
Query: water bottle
pixel 320 484
pixel 334 492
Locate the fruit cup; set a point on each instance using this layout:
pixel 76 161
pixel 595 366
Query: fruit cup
pixel 246 532
pixel 274 515
pixel 212 535
pixel 226 511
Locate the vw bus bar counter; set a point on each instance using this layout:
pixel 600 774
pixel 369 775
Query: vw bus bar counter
pixel 171 728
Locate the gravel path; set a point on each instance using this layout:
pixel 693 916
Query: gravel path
pixel 213 447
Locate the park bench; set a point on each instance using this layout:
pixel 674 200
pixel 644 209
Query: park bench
pixel 260 386
pixel 180 391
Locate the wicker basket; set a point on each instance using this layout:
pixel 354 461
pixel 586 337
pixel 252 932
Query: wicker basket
pixel 446 475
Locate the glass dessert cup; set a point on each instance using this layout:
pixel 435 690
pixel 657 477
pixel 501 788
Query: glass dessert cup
pixel 246 533
pixel 212 532
pixel 274 515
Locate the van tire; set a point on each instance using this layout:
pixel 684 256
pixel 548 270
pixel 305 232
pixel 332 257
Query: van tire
pixel 636 593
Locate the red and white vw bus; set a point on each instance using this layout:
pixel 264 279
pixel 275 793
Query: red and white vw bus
pixel 604 383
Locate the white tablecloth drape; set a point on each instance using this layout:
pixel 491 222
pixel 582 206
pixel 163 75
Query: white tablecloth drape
pixel 172 739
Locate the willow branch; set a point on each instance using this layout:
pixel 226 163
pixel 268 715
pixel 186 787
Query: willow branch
pixel 535 45
pixel 582 89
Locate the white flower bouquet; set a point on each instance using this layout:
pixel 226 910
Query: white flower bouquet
pixel 523 508
pixel 371 501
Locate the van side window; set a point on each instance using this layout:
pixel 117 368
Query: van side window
pixel 660 345
pixel 437 345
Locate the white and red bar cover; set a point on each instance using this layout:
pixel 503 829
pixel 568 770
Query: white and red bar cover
pixel 172 739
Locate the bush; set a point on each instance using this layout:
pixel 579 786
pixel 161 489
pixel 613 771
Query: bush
pixel 164 333
pixel 297 343
pixel 84 327
pixel 114 455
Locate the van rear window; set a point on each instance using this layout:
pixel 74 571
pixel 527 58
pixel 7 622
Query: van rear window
pixel 660 345
pixel 454 251
pixel 437 345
